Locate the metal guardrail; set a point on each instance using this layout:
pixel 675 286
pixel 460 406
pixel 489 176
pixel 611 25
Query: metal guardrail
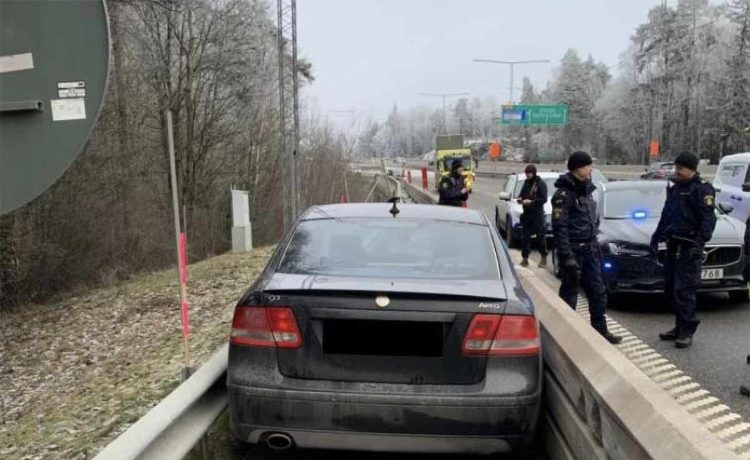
pixel 177 423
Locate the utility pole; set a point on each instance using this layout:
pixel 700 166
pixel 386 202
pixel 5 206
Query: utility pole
pixel 444 96
pixel 512 65
pixel 288 104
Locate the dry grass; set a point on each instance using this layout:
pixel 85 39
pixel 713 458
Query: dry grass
pixel 75 373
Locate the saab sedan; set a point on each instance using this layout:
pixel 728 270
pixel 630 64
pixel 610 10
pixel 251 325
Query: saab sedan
pixel 391 330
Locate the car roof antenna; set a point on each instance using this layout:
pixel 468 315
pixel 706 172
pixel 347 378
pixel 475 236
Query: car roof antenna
pixel 394 209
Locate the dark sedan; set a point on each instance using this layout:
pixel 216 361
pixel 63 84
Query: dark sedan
pixel 397 334
pixel 629 215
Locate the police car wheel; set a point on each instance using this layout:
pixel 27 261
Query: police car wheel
pixel 742 296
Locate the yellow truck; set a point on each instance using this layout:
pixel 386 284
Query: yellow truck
pixel 449 148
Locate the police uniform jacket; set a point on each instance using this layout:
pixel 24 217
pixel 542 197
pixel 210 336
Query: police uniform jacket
pixel 575 218
pixel 688 213
pixel 450 190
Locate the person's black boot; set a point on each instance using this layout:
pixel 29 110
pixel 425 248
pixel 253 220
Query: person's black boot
pixel 683 341
pixel 611 338
pixel 543 261
pixel 669 335
pixel 525 262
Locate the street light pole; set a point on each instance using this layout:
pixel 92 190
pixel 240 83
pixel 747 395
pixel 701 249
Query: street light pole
pixel 512 65
pixel 444 96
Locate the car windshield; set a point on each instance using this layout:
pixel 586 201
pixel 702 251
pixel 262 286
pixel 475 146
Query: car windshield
pixel 466 162
pixel 638 203
pixel 550 181
pixel 387 248
pixel 664 166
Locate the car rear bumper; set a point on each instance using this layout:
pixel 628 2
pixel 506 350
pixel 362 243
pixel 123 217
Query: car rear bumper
pixel 386 423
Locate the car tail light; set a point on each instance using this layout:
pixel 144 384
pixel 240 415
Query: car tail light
pixel 274 327
pixel 501 335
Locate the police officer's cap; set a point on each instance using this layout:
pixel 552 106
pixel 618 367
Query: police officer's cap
pixel 688 160
pixel 579 160
pixel 457 164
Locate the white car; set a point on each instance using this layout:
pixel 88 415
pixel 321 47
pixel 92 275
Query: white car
pixel 732 184
pixel 508 211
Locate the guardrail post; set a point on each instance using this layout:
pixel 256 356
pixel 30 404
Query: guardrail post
pixel 424 178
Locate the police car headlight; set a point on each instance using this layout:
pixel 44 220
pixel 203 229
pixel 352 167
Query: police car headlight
pixel 628 249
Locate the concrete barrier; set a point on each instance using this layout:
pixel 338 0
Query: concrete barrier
pixel 597 404
pixel 600 405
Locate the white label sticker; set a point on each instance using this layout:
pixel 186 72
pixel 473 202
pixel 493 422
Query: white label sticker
pixel 71 84
pixel 16 62
pixel 73 92
pixel 68 109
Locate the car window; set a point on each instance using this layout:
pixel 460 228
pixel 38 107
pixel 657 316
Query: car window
pixel 733 173
pixel 391 248
pixel 747 176
pixel 510 185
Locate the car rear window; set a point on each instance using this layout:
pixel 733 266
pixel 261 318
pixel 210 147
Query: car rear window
pixel 732 173
pixel 387 247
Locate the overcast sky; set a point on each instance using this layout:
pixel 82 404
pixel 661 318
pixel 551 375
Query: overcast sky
pixel 369 54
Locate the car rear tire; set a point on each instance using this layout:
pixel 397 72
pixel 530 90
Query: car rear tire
pixel 742 296
pixel 509 234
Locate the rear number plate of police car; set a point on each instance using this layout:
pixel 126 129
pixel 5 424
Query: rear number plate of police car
pixel 712 274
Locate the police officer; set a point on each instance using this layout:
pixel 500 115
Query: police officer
pixel 533 197
pixel 575 223
pixel 453 191
pixel 686 225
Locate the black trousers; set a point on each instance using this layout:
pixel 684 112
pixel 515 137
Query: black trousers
pixel 589 277
pixel 682 273
pixel 532 227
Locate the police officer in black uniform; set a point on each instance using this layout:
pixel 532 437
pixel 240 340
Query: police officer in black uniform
pixel 533 198
pixel 686 225
pixel 575 223
pixel 453 191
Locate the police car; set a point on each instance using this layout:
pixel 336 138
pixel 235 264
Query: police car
pixel 508 211
pixel 630 212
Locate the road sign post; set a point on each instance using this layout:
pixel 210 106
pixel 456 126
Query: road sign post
pixel 535 114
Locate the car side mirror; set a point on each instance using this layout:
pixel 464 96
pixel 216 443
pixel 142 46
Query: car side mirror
pixel 726 208
pixel 746 187
pixel 505 196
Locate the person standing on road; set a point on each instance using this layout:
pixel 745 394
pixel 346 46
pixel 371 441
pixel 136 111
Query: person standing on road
pixel 453 191
pixel 575 224
pixel 686 225
pixel 533 197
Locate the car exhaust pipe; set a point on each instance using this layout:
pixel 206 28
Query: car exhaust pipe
pixel 279 442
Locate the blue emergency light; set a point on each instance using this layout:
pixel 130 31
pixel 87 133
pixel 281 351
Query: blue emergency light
pixel 640 214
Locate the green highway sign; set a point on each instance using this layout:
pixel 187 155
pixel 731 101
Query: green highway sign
pixel 535 114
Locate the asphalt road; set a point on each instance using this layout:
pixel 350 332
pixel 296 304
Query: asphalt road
pixel 717 358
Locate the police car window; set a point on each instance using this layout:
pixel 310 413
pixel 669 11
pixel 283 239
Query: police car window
pixel 732 173
pixel 384 248
pixel 509 186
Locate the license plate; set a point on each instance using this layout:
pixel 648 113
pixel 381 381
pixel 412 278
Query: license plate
pixel 712 274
